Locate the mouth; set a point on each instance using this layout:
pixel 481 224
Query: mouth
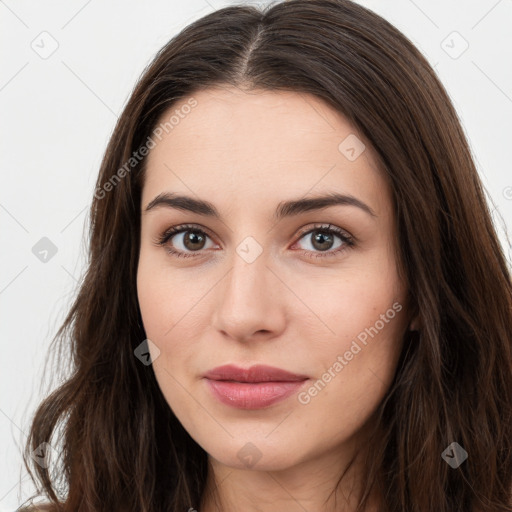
pixel 254 374
pixel 253 388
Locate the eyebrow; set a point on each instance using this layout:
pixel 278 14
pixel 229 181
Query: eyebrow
pixel 284 208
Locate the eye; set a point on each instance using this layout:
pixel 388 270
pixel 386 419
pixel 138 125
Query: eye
pixel 321 241
pixel 189 239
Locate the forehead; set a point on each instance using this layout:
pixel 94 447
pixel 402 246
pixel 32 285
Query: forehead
pixel 260 144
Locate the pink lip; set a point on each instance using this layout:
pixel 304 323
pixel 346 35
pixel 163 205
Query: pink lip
pixel 256 373
pixel 252 388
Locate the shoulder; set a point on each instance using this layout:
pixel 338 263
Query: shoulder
pixel 43 507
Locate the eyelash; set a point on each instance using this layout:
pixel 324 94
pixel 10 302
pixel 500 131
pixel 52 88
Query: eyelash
pixel 348 241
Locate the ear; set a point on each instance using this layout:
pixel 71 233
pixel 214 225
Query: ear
pixel 415 324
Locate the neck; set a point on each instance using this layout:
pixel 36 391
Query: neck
pixel 310 485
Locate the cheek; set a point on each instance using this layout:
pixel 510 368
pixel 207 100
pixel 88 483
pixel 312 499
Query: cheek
pixel 165 296
pixel 365 312
pixel 172 314
pixel 164 314
pixel 354 373
pixel 152 301
pixel 350 300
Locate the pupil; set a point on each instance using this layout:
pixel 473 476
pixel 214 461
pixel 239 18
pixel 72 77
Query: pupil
pixel 193 238
pixel 321 238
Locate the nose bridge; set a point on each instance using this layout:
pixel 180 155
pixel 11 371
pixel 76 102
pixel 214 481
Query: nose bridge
pixel 247 280
pixel 246 303
pixel 249 260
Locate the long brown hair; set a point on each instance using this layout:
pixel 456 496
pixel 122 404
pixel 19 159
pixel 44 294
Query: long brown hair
pixel 122 448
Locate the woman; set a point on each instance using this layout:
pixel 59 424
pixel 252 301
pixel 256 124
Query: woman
pixel 296 299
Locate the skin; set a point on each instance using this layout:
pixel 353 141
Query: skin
pixel 245 152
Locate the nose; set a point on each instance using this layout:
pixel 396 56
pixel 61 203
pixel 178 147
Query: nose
pixel 249 303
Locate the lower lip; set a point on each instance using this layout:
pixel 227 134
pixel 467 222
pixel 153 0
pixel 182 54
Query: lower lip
pixel 245 395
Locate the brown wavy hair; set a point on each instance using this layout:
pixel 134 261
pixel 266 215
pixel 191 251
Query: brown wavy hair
pixel 122 449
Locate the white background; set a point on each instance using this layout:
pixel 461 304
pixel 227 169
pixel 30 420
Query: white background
pixel 57 114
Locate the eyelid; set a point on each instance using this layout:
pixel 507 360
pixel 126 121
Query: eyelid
pixel 319 226
pixel 348 239
pixel 180 228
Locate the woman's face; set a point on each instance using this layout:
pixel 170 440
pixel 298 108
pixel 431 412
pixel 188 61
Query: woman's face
pixel 258 280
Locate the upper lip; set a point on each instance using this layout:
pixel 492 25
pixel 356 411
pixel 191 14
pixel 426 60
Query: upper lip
pixel 256 373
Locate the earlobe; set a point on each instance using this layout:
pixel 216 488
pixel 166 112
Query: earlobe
pixel 415 324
